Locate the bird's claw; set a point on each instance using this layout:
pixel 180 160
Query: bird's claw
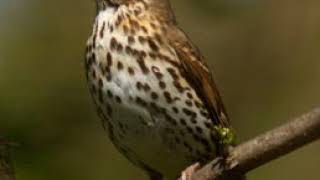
pixel 189 171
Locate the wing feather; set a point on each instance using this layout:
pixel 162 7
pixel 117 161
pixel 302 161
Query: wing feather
pixel 198 75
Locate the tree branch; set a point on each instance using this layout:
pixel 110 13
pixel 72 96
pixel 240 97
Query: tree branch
pixel 242 159
pixel 6 167
pixel 265 148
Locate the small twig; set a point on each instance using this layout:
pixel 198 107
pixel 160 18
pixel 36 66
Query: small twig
pixel 6 166
pixel 266 147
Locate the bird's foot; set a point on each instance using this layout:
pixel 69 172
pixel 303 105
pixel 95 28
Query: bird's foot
pixel 189 171
pixel 218 165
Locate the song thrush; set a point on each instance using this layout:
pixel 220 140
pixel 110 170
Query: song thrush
pixel 153 91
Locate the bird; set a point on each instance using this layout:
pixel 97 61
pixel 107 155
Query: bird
pixel 152 88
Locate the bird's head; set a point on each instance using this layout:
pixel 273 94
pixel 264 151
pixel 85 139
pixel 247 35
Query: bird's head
pixel 161 8
pixel 125 2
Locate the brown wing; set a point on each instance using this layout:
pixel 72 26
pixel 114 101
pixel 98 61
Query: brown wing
pixel 198 75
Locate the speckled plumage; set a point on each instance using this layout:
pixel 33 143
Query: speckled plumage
pixel 153 91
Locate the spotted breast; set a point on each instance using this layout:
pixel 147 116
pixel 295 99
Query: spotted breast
pixel 150 86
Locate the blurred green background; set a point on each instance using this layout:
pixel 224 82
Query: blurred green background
pixel 265 55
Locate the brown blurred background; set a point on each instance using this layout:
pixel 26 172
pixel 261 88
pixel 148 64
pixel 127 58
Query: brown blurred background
pixel 265 54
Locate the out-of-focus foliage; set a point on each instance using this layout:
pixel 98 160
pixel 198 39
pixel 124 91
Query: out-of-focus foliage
pixel 265 55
